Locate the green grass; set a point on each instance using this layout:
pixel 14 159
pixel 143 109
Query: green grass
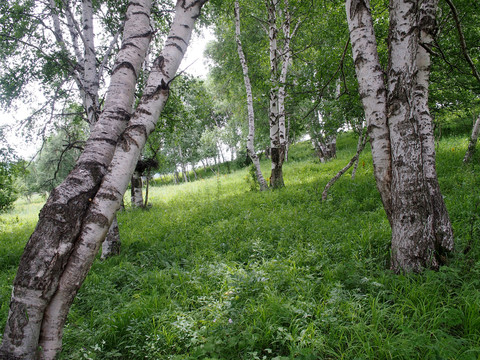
pixel 216 271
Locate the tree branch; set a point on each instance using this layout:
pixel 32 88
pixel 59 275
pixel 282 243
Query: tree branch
pixel 461 36
pixel 344 170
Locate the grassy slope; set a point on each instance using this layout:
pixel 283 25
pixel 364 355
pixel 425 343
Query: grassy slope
pixel 215 271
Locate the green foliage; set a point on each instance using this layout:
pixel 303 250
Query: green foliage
pixel 455 92
pixel 58 156
pixel 251 178
pixel 215 271
pixel 8 194
pixel 10 170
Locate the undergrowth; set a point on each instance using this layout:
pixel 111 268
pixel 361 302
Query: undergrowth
pixel 216 271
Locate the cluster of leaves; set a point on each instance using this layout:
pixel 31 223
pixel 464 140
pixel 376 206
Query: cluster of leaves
pixel 8 193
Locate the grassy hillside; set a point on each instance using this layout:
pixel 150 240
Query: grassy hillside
pixel 216 271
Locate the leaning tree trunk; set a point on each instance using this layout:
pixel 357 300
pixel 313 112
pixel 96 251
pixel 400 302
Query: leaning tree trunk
pixel 88 74
pixel 48 249
pixel 251 115
pixel 403 151
pixel 361 137
pixel 107 200
pixel 360 147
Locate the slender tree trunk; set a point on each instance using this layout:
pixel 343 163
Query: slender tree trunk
pixel 147 189
pixel 175 177
pixel 182 164
pixel 277 153
pixel 442 228
pixel 325 146
pixel 473 141
pixel 251 115
pixel 136 190
pixel 277 116
pixel 373 94
pixel 48 249
pixel 344 170
pixel 361 136
pixel 403 151
pixel 194 171
pixel 91 79
pixel 287 140
pixel 88 75
pixel 107 200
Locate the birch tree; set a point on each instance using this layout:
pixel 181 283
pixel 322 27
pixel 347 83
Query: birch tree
pixel 251 114
pixel 87 72
pixel 401 132
pixel 79 213
pixel 280 59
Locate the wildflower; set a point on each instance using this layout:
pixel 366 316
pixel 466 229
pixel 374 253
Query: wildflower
pixel 230 321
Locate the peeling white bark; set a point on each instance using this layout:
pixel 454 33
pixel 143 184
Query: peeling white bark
pixel 108 198
pixel 372 92
pixel 91 80
pixel 444 241
pixel 47 252
pixel 277 94
pixel 403 152
pixel 136 190
pixel 251 114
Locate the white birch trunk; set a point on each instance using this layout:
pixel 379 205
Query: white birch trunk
pixel 277 116
pixel 287 57
pixel 472 143
pixel 87 78
pixel 136 198
pixel 111 245
pixel 411 220
pixel 91 83
pixel 91 80
pixel 107 200
pixel 277 156
pixel 421 230
pixel 47 252
pixel 251 114
pixel 372 92
pixel 442 228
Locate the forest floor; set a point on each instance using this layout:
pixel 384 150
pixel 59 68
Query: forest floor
pixel 214 270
